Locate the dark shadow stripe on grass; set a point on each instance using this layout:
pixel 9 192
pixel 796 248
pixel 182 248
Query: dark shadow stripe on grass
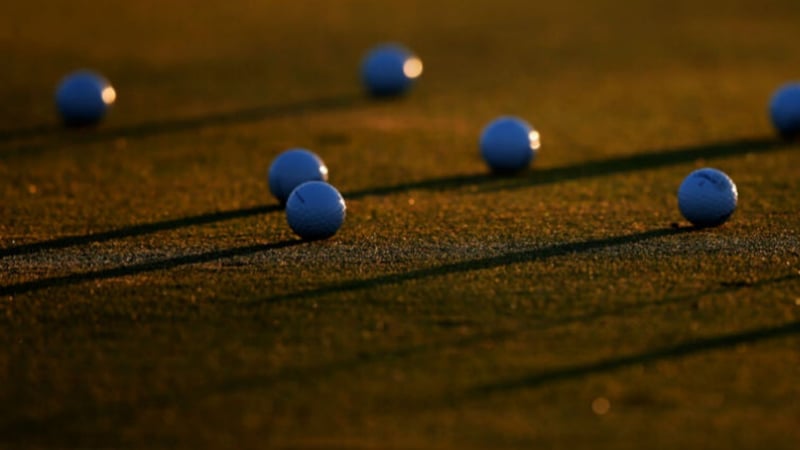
pixel 93 135
pixel 692 347
pixel 641 161
pixel 163 264
pixel 589 169
pixel 628 163
pixel 479 264
pixel 43 130
pixel 136 230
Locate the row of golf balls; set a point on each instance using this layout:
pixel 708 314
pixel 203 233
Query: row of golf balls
pixel 84 97
pixel 316 210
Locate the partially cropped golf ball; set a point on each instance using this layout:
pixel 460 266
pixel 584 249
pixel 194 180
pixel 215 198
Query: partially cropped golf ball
pixel 83 98
pixel 293 168
pixel 389 70
pixel 707 197
pixel 509 144
pixel 315 210
pixel 784 110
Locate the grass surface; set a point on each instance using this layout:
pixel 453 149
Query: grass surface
pixel 153 296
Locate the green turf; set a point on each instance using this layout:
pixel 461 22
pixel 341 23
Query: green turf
pixel 152 295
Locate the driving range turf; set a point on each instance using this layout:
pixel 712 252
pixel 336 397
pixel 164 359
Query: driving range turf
pixel 153 296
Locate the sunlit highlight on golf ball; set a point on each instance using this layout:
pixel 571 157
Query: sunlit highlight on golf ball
pixel 412 68
pixel 534 138
pixel 109 95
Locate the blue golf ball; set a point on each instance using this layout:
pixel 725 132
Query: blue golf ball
pixel 389 70
pixel 509 144
pixel 707 197
pixel 293 168
pixel 315 210
pixel 784 110
pixel 83 98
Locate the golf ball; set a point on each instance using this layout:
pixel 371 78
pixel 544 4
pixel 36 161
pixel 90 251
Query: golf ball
pixel 293 168
pixel 83 98
pixel 784 110
pixel 707 197
pixel 315 210
pixel 390 69
pixel 509 144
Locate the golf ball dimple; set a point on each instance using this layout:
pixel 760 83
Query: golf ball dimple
pixel 390 69
pixel 83 98
pixel 293 168
pixel 784 110
pixel 509 144
pixel 707 197
pixel 315 210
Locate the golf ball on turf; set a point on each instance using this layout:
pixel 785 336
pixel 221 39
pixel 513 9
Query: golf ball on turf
pixel 707 197
pixel 784 110
pixel 509 144
pixel 83 98
pixel 293 168
pixel 390 69
pixel 315 210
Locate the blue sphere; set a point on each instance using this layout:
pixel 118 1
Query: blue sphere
pixel 293 168
pixel 784 110
pixel 389 70
pixel 509 144
pixel 83 98
pixel 707 197
pixel 315 210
